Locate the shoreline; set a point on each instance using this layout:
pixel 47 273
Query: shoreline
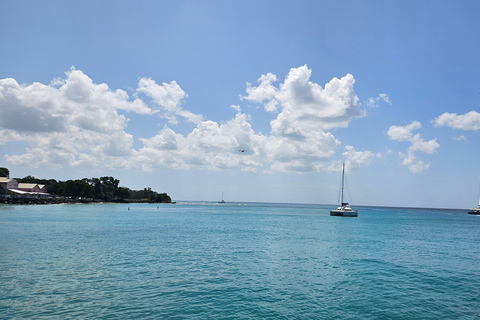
pixel 47 201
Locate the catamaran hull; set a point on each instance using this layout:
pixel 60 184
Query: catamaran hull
pixel 475 212
pixel 340 213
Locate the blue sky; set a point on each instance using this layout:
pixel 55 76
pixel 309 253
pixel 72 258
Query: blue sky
pixel 164 94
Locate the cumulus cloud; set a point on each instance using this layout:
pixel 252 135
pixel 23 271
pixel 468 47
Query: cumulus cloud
pixel 404 133
pixel 69 122
pixel 355 159
pixel 374 102
pixel 209 145
pixel 299 141
pixel 265 91
pixel 307 155
pixel 467 121
pixel 304 105
pixel 169 98
pixel 76 122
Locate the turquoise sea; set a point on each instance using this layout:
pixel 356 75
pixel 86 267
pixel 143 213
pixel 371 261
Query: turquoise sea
pixel 237 261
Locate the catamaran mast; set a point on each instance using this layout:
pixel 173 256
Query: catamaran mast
pixel 479 192
pixel 343 179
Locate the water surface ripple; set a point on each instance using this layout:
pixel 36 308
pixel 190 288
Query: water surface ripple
pixel 237 261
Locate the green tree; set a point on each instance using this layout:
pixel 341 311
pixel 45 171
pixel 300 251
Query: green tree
pixel 79 188
pixel 110 186
pixel 28 179
pixel 163 198
pixel 98 191
pixel 123 193
pixel 106 188
pixel 54 187
pixel 4 172
pixel 103 188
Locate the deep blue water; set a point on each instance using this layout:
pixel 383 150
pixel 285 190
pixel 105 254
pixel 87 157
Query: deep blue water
pixel 248 261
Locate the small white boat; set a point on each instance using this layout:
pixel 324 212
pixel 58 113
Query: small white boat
pixel 344 210
pixel 475 211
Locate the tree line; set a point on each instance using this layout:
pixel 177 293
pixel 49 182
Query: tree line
pixel 104 189
pixel 4 172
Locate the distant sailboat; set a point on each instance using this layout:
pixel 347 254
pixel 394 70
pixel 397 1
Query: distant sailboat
pixel 222 199
pixel 475 211
pixel 344 210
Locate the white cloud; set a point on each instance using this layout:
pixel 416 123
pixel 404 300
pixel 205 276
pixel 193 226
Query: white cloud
pixel 306 155
pixel 413 165
pixel 418 144
pixel 208 146
pixel 467 121
pixel 460 138
pixel 404 133
pixel 69 122
pixel 41 158
pixel 298 142
pixel 169 97
pixel 373 102
pixel 264 91
pixel 355 159
pixel 383 155
pixel 236 108
pixel 76 122
pixel 304 105
pixel 9 136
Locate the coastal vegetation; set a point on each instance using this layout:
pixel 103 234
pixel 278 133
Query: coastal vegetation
pixel 105 189
pixel 4 172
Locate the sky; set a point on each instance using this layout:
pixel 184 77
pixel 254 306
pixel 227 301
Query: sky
pixel 258 100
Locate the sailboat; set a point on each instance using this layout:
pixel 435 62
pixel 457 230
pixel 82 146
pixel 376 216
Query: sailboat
pixel 222 199
pixel 344 210
pixel 475 211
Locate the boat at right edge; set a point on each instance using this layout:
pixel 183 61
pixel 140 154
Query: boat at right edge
pixel 475 211
pixel 344 210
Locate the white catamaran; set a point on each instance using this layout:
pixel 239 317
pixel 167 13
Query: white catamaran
pixel 344 210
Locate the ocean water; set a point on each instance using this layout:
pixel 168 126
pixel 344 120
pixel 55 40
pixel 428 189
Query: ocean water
pixel 237 261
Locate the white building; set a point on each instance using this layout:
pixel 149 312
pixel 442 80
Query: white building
pixel 12 188
pixel 7 184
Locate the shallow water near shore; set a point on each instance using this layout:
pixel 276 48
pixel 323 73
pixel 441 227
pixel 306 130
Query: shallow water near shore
pixel 237 261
